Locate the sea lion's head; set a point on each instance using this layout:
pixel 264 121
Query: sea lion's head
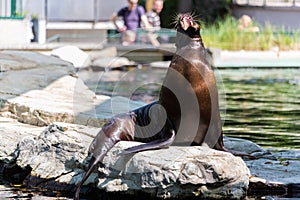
pixel 187 28
pixel 187 25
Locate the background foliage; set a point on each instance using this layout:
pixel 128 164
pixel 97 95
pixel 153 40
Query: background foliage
pixel 224 34
pixel 220 29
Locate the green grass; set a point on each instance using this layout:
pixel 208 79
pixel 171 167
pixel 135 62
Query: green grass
pixel 224 34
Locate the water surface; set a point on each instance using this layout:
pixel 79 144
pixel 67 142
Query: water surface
pixel 262 105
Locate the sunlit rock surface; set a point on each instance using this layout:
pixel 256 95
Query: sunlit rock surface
pixel 45 90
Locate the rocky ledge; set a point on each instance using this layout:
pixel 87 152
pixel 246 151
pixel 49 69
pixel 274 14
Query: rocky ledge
pixel 56 159
pixel 49 117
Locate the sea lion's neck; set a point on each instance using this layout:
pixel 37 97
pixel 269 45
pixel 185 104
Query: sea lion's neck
pixel 196 42
pixel 191 38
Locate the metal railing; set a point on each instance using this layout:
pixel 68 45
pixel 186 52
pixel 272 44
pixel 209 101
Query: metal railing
pixel 282 3
pixel 11 9
pixel 111 36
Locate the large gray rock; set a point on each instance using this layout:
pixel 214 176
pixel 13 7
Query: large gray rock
pixel 57 155
pixel 176 172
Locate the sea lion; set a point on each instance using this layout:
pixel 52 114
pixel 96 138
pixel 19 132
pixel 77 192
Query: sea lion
pixel 187 106
pixel 189 92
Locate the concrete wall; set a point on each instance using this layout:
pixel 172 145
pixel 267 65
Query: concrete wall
pixel 70 10
pixel 73 10
pixel 288 17
pixel 35 7
pixel 107 8
pixel 15 32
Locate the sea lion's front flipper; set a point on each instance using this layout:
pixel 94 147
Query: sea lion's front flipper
pixel 156 144
pixel 116 129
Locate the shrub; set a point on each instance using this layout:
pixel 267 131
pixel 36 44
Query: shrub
pixel 224 34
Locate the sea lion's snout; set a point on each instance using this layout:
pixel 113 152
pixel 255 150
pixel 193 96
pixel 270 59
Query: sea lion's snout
pixel 186 21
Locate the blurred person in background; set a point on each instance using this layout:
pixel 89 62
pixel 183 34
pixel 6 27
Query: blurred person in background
pixel 134 17
pixel 246 24
pixel 154 20
pixel 153 15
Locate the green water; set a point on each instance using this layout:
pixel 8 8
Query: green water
pixel 261 105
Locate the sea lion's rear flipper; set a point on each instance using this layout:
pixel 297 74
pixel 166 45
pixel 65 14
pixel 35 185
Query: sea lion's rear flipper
pixel 156 144
pixel 220 146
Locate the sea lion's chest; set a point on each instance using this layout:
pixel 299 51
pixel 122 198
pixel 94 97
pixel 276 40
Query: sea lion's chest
pixel 190 63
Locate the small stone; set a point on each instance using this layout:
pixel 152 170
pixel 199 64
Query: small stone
pixel 73 55
pixel 111 62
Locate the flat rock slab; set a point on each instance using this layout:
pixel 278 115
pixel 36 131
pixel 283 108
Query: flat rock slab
pixel 63 100
pixel 20 60
pixel 111 62
pixel 41 102
pixel 38 90
pixel 283 170
pixel 274 172
pixel 25 71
